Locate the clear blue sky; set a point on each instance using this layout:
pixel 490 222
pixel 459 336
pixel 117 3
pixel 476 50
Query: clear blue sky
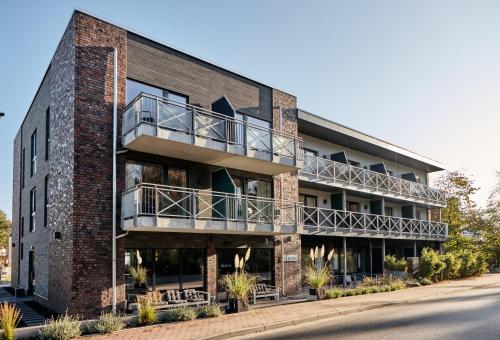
pixel 424 74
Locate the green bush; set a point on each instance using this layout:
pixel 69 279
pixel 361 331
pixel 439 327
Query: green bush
pixel 350 292
pixel 425 281
pixel 180 314
pixel 452 266
pixel 106 324
pixel 333 293
pixel 412 283
pixel 63 328
pixel 147 312
pixel 210 311
pixel 472 264
pixel 430 265
pixel 397 284
pixel 393 264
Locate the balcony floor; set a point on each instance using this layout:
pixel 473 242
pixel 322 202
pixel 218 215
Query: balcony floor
pixel 181 145
pixel 186 225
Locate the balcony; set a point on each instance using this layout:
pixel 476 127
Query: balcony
pixel 160 126
pixel 332 222
pixel 149 207
pixel 328 172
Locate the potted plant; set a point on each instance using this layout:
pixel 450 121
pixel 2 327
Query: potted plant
pixel 317 274
pixel 140 276
pixel 239 284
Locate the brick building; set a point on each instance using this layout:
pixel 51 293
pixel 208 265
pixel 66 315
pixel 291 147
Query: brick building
pixel 209 162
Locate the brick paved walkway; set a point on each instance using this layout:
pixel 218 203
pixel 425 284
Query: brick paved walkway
pixel 284 315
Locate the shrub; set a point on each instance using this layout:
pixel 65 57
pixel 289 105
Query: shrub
pixel 333 293
pixel 180 314
pixel 210 311
pixel 430 266
pixel 452 266
pixel 350 292
pixel 412 283
pixel 391 263
pixel 147 312
pixel 397 284
pixel 425 281
pixel 10 316
pixel 106 324
pixel 472 264
pixel 63 328
pixel 373 289
pixel 139 275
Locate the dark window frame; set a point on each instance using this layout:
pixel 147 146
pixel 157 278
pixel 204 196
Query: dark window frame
pixel 22 226
pixel 388 211
pixel 353 163
pixel 34 155
pixel 23 167
pixel 46 201
pixel 32 210
pixel 349 203
pixel 47 132
pixel 164 90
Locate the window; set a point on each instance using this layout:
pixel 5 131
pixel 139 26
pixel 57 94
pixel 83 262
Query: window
pixel 134 88
pixel 23 166
pixel 353 207
pixel 32 209
pixel 259 188
pixel 33 152
pixel 389 211
pixel 137 173
pixel 309 152
pixel 22 226
pixel 353 163
pixel 170 268
pixel 47 132
pixel 22 251
pixel 261 263
pixel 46 201
pixel 417 215
pixel 308 200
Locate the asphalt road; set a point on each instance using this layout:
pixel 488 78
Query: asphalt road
pixel 472 314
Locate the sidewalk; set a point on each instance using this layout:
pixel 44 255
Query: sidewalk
pixel 286 315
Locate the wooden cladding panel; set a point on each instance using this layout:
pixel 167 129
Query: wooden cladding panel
pixel 202 82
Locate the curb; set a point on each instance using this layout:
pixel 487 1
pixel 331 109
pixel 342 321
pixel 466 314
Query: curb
pixel 282 324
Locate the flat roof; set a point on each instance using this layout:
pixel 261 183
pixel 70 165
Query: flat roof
pixel 325 129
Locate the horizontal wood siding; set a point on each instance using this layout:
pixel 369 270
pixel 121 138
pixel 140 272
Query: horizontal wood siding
pixel 202 82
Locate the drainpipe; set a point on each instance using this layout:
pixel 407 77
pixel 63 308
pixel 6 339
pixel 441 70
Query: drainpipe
pixel 115 127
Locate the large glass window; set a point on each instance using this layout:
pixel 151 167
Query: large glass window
pixel 134 88
pixel 169 268
pixel 137 173
pixel 260 188
pixel 261 263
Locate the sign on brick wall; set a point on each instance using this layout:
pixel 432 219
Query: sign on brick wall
pixel 290 258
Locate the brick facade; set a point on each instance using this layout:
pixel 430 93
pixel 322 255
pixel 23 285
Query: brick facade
pixel 95 41
pixel 286 187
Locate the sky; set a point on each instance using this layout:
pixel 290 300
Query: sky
pixel 424 75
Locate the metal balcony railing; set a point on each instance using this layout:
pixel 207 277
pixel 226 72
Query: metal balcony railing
pixel 352 176
pixel 238 135
pixel 162 201
pixel 340 220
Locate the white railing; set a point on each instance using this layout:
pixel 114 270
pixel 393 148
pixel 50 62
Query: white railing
pixel 340 220
pixel 192 204
pixel 345 174
pixel 163 113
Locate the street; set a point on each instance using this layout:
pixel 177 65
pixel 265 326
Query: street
pixel 470 314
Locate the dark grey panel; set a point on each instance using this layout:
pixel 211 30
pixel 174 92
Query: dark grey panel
pixel 410 177
pixel 223 106
pixel 339 157
pixel 379 167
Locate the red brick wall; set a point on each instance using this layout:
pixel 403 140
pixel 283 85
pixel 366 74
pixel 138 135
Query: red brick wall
pixel 286 187
pixel 92 241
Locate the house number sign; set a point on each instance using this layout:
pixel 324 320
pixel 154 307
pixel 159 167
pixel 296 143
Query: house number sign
pixel 290 258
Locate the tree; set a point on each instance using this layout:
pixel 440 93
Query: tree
pixel 5 230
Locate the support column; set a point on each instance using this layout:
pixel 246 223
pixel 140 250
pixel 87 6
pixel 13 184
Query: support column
pixel 211 268
pixel 371 257
pixel 344 241
pixel 414 211
pixel 344 200
pixel 383 255
pixel 414 248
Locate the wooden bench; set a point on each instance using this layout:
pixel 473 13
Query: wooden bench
pixel 261 291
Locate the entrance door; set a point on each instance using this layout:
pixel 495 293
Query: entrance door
pixel 31 272
pixel 377 260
